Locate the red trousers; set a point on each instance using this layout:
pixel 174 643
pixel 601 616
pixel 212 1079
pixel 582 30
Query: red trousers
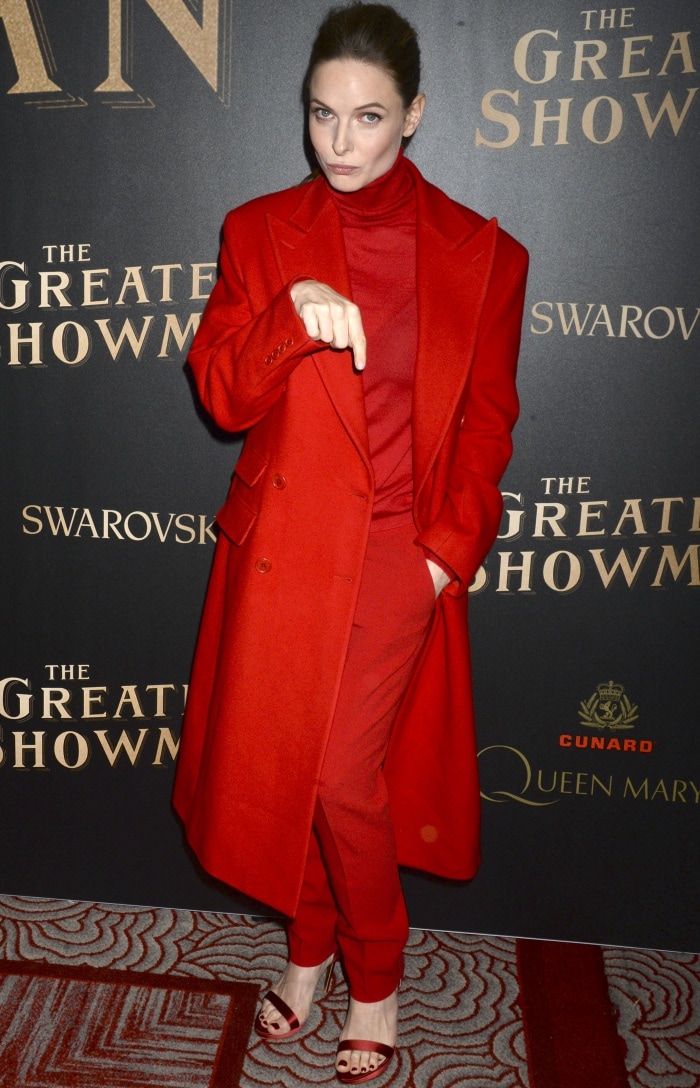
pixel 351 897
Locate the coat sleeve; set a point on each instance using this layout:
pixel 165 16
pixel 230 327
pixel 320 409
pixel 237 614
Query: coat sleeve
pixel 467 524
pixel 242 355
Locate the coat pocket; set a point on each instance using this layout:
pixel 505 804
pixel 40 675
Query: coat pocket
pixel 237 515
pixel 250 465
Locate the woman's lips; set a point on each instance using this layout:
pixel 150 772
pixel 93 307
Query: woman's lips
pixel 341 168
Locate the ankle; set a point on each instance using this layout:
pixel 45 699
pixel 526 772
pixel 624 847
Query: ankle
pixel 391 1000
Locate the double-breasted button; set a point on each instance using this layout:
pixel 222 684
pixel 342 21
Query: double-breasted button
pixel 279 481
pixel 263 566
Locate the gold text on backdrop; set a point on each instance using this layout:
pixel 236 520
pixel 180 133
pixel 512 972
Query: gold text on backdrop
pixel 508 775
pixel 166 334
pixel 576 520
pixel 622 321
pixel 514 114
pixel 206 43
pixel 68 698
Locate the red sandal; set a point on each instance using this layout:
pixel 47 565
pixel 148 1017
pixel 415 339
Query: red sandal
pixel 282 1008
pixel 285 1011
pixel 386 1052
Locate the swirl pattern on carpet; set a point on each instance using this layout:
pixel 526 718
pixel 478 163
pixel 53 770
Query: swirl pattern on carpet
pixel 657 995
pixel 460 1020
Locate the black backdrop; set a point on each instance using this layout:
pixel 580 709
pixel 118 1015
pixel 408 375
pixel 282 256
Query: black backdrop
pixel 129 127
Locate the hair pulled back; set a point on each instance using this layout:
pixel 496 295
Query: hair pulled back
pixel 371 33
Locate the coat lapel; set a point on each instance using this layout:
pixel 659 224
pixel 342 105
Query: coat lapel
pixel 309 245
pixel 454 264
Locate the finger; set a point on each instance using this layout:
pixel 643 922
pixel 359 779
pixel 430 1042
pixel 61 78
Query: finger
pixel 325 324
pixel 341 332
pixel 357 338
pixel 359 351
pixel 309 316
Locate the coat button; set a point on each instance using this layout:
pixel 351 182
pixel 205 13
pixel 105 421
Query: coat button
pixel 263 566
pixel 289 341
pixel 268 360
pixel 279 481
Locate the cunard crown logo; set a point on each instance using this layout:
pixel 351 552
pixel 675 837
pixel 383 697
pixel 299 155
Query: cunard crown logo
pixel 610 692
pixel 608 708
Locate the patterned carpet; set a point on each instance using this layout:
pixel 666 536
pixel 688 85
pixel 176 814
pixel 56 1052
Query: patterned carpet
pixel 78 1027
pixel 460 1015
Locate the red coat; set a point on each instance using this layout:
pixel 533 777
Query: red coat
pixel 294 528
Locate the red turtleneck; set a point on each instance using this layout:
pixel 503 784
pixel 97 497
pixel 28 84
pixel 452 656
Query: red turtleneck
pixel 379 230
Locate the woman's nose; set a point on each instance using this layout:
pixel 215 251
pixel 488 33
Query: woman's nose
pixel 342 142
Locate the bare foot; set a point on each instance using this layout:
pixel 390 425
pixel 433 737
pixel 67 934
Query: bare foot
pixel 296 987
pixel 375 1020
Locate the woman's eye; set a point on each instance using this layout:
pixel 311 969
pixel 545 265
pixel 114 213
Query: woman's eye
pixel 321 113
pixel 372 118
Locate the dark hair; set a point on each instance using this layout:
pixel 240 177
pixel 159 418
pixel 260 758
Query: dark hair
pixel 374 34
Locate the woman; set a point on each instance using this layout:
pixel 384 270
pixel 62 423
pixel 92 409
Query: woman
pixel 364 332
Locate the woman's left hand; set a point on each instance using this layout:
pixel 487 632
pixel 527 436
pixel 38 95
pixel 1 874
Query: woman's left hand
pixel 440 579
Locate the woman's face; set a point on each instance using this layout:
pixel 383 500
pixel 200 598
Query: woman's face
pixel 357 120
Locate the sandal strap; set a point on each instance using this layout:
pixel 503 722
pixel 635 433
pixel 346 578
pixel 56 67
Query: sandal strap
pixel 283 1008
pixel 366 1044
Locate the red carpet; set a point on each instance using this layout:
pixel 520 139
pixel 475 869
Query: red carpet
pixel 82 1027
pixel 570 1032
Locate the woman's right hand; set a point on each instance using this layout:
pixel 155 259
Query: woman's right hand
pixel 440 579
pixel 330 317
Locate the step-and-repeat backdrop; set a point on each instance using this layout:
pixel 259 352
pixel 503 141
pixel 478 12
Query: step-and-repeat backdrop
pixel 129 127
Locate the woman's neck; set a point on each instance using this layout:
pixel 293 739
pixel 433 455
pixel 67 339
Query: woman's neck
pixel 383 200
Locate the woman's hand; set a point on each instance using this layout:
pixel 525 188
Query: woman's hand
pixel 440 579
pixel 329 317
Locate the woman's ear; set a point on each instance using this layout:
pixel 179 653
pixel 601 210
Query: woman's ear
pixel 414 114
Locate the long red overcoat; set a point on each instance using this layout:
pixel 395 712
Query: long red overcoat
pixel 293 533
